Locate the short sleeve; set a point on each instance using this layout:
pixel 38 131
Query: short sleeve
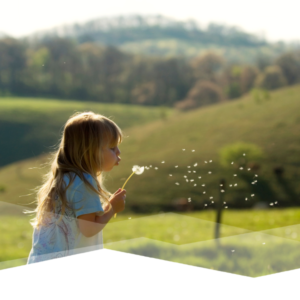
pixel 83 199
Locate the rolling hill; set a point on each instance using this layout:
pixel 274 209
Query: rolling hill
pixel 272 125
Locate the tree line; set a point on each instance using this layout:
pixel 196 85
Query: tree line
pixel 63 68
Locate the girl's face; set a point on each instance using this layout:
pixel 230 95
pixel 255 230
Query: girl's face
pixel 110 157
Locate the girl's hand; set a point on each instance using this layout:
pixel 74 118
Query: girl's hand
pixel 117 200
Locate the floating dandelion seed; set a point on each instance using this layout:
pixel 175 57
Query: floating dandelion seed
pixel 205 204
pixel 205 161
pixel 129 218
pixel 234 175
pixel 271 204
pixel 224 202
pixel 252 195
pixel 232 250
pixel 210 161
pixel 187 180
pixel 249 169
pixel 256 175
pixel 222 191
pixel 193 150
pixel 241 168
pixel 204 192
pixel 226 206
pixel 230 185
pixel 199 177
pixel 189 171
pixel 212 201
pixel 189 199
pixel 263 243
pixel 235 184
pixel 163 162
pixel 185 176
pixel 176 166
pixel 188 166
pixel 191 180
pixel 183 149
pixel 150 166
pixel 170 175
pixel 232 162
pixel 156 168
pixel 211 197
pixel 246 199
pixel 194 171
pixel 195 184
pixel 244 154
pixel 195 165
pixel 203 184
pixel 209 172
pixel 176 183
pixel 221 184
pixel 276 202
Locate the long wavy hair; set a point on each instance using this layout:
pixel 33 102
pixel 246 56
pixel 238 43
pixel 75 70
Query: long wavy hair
pixel 80 151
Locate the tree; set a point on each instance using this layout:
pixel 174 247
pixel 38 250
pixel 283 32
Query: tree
pixel 202 93
pixel 272 78
pixel 290 66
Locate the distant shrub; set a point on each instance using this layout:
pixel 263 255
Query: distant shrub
pixel 272 78
pixel 260 95
pixel 2 188
pixel 235 153
pixel 203 93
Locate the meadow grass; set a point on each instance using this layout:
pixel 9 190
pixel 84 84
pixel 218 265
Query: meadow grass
pixel 171 228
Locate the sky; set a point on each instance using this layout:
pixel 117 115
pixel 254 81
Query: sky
pixel 273 19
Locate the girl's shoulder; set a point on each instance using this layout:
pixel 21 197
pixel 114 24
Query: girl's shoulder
pixel 77 180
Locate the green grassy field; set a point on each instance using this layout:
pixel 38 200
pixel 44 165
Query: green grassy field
pixel 170 231
pixel 35 125
pixel 273 125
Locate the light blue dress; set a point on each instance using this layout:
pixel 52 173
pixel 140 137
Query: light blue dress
pixel 65 238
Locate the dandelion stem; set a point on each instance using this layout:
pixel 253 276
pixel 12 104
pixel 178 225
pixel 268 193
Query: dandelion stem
pixel 127 180
pixel 125 183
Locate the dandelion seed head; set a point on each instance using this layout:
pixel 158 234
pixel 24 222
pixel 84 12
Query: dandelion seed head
pixel 138 170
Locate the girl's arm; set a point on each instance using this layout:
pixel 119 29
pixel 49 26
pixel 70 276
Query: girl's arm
pixel 91 224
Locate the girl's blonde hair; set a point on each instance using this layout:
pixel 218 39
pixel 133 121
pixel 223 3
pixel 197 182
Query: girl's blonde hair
pixel 80 151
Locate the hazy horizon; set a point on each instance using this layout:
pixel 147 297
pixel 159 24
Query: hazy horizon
pixel 273 20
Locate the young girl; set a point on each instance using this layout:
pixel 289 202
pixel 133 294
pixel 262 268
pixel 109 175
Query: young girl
pixel 73 206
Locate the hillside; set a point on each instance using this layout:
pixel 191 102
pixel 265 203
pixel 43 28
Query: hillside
pixel 273 125
pixel 35 125
pixel 157 35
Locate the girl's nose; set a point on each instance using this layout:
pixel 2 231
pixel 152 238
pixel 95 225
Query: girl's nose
pixel 118 151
